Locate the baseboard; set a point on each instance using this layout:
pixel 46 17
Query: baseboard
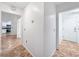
pixel 28 50
pixel 52 53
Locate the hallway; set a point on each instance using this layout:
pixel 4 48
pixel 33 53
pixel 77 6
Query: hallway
pixel 12 47
pixel 67 49
pixel 35 29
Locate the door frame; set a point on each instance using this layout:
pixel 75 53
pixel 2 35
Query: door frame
pixel 1 18
pixel 57 25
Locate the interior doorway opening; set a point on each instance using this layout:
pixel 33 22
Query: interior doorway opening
pixel 69 26
pixel 8 30
pixel 68 40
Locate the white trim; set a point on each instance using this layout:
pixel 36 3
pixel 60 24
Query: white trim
pixel 29 51
pixel 53 53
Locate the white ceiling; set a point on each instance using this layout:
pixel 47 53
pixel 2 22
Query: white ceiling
pixel 9 17
pixel 24 4
pixel 17 4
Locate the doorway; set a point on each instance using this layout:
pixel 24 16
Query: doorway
pixel 68 43
pixel 69 26
pixel 8 30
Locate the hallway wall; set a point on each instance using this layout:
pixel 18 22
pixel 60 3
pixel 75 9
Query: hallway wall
pixel 49 29
pixel 33 28
pixel 40 35
pixel 71 31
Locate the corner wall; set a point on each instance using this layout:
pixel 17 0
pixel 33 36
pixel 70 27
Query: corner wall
pixel 49 29
pixel 40 37
pixel 33 28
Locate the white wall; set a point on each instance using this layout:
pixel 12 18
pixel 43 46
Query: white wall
pixel 50 29
pixel 33 32
pixel 14 26
pixel 71 31
pixel 40 35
